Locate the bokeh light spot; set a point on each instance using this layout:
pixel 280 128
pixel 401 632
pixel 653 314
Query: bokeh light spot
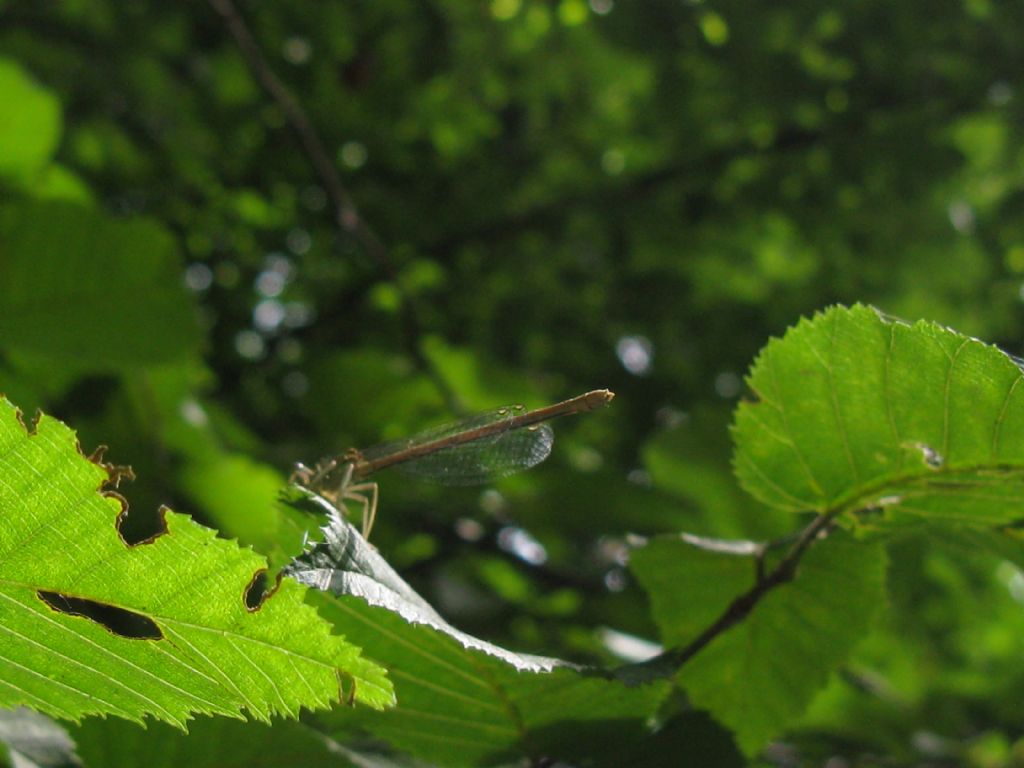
pixel 297 50
pixel 353 154
pixel 636 353
pixel 268 315
pixel 298 241
pixel 615 580
pixel 193 413
pixel 519 542
pixel 269 284
pixel 198 277
pixel 727 384
pixel 468 529
pixel 492 502
pixel 961 216
pixel 250 345
pixel 503 10
pixel 714 29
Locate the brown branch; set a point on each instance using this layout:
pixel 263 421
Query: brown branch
pixel 345 212
pixel 673 658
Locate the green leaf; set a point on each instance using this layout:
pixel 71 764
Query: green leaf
pixel 860 412
pixel 213 743
pixel 90 291
pixel 463 700
pixel 759 675
pixel 91 625
pixel 689 584
pixel 30 123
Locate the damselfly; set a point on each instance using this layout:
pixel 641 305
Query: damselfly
pixel 472 450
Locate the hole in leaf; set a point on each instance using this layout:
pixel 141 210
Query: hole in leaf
pixel 135 527
pixel 117 620
pixel 256 591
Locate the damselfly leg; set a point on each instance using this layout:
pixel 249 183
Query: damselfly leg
pixel 319 480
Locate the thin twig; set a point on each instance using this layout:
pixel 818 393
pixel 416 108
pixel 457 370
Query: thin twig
pixel 344 210
pixel 673 658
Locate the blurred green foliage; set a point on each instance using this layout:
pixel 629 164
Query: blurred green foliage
pixel 571 195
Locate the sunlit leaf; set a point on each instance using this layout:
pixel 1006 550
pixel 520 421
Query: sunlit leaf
pixel 859 412
pixel 94 626
pixel 759 675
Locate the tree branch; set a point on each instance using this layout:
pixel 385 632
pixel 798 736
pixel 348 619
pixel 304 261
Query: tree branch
pixel 673 658
pixel 344 210
pixel 343 207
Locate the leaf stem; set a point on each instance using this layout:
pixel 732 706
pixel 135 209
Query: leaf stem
pixel 671 659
